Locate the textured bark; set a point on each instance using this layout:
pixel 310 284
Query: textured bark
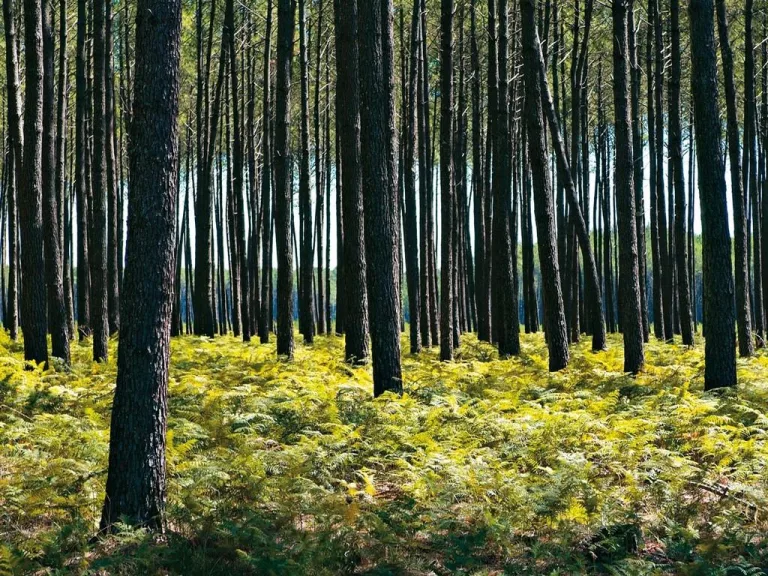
pixel 637 148
pixel 482 289
pixel 54 261
pixel 137 471
pixel 348 118
pixel 533 65
pixel 741 253
pixel 306 298
pixel 33 295
pixel 505 308
pixel 377 121
pixel 81 179
pixel 319 183
pixel 629 281
pixel 283 197
pixel 99 294
pixel 676 153
pixel 446 180
pixel 720 348
pixel 411 221
pixel 266 182
pixel 15 157
pixel 114 216
pixel 237 188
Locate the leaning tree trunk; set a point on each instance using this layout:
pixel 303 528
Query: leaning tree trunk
pixel 720 349
pixel 629 281
pixel 377 121
pixel 137 471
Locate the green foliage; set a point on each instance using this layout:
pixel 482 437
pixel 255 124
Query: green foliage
pixel 482 467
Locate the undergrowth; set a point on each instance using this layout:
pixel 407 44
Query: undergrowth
pixel 482 467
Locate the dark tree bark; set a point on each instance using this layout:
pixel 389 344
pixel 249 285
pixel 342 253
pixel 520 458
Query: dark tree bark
pixel 81 179
pixel 411 222
pixel 741 253
pixel 237 189
pixel 114 216
pixel 656 259
pixel 446 180
pixel 15 158
pixel 505 307
pixel 319 184
pixel 720 349
pixel 667 279
pixel 377 121
pixel 482 289
pixel 266 181
pixel 283 160
pixel 676 153
pixel 629 281
pixel 136 477
pixel 306 299
pixel 637 148
pixel 33 295
pixel 348 118
pixel 99 293
pixel 54 261
pixel 557 330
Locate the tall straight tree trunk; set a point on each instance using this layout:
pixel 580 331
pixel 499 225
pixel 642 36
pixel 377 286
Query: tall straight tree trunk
pixel 482 294
pixel 631 318
pixel 377 121
pixel 348 115
pixel 33 295
pixel 505 309
pixel 656 260
pixel 16 143
pixel 283 161
pixel 61 167
pixel 411 222
pixel 54 261
pixel 306 302
pixel 741 254
pixel 720 349
pixel 446 180
pixel 667 279
pixel 237 189
pixel 137 471
pixel 81 179
pixel 99 293
pixel 266 181
pixel 114 215
pixel 637 148
pixel 676 153
pixel 533 64
pixel 319 178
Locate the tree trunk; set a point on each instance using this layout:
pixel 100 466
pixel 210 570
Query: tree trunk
pixel 741 254
pixel 348 115
pixel 137 470
pixel 283 166
pixel 446 180
pixel 556 328
pixel 377 121
pixel 631 319
pixel 720 349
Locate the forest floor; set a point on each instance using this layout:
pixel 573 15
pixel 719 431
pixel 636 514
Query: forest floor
pixel 482 467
